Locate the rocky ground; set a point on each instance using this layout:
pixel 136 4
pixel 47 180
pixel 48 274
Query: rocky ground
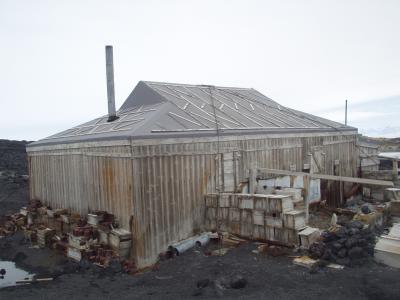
pixel 239 274
pixel 195 275
pixel 384 144
pixel 13 180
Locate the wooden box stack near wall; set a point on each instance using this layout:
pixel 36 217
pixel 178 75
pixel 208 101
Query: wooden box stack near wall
pixel 294 219
pixel 259 232
pixel 262 217
pixel 259 224
pixel 261 202
pixel 211 200
pixel 235 200
pixel 234 220
pixel 259 217
pixel 280 203
pixel 246 223
pixel 225 200
pixel 274 220
pixel 246 201
pixel 121 241
pixel 223 212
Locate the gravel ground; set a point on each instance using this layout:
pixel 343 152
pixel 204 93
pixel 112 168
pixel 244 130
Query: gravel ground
pixel 267 277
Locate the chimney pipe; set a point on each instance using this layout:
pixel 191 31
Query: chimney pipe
pixel 110 84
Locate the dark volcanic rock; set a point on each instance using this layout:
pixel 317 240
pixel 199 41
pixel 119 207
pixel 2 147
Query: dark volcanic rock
pixel 350 242
pixel 203 283
pixel 356 252
pixel 355 224
pixel 13 156
pixel 365 209
pixel 336 246
pixel 317 250
pixel 341 232
pixel 238 282
pixel 13 179
pixel 349 245
pixel 342 253
pixel 345 261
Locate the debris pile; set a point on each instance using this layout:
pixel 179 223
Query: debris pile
pixel 95 238
pixel 349 245
pixel 11 224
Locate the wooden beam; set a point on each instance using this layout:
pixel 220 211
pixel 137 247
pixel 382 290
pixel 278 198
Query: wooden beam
pixel 252 181
pixel 328 177
pixel 306 182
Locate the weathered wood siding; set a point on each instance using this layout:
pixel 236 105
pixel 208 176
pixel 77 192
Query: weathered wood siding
pixel 84 179
pixel 160 184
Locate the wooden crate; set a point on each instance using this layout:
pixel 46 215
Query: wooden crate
pixel 274 220
pixel 246 202
pixel 223 213
pixel 259 232
pixel 224 200
pixel 261 202
pixel 280 203
pixel 211 213
pixel 211 200
pixel 234 214
pixel 294 219
pixel 258 217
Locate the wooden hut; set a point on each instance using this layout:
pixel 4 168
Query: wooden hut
pixel 168 146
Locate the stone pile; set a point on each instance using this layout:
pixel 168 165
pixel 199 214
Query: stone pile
pixel 349 245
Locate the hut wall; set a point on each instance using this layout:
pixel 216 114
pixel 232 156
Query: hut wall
pixel 160 184
pixel 83 178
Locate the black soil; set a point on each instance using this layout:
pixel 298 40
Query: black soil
pixel 13 172
pixel 240 274
pixel 195 275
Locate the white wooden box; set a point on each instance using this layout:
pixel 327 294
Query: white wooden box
pixel 294 219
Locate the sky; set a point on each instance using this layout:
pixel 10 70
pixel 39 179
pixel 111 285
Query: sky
pixel 307 55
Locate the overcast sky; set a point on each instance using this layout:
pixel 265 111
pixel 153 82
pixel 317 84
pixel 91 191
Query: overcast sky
pixel 308 55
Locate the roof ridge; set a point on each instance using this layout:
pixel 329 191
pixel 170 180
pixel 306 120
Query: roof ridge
pixel 194 85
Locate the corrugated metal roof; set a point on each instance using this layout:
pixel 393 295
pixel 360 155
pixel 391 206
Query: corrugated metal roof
pixel 156 109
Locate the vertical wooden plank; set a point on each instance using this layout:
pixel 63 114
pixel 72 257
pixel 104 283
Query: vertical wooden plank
pixel 306 183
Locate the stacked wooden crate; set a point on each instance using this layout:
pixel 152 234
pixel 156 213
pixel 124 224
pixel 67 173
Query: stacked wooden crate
pixel 256 216
pixel 121 241
pixel 44 236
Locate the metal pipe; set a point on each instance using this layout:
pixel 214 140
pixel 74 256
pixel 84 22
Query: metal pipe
pixel 112 115
pixel 183 246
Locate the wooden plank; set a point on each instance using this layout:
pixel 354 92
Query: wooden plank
pixel 329 177
pixel 252 181
pixel 306 181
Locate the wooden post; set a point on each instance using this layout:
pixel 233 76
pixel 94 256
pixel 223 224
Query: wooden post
pixel 292 178
pixel 395 169
pixel 252 180
pixel 306 183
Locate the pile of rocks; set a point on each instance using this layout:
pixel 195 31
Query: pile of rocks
pixel 349 245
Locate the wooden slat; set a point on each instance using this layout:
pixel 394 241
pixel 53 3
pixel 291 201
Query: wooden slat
pixel 329 177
